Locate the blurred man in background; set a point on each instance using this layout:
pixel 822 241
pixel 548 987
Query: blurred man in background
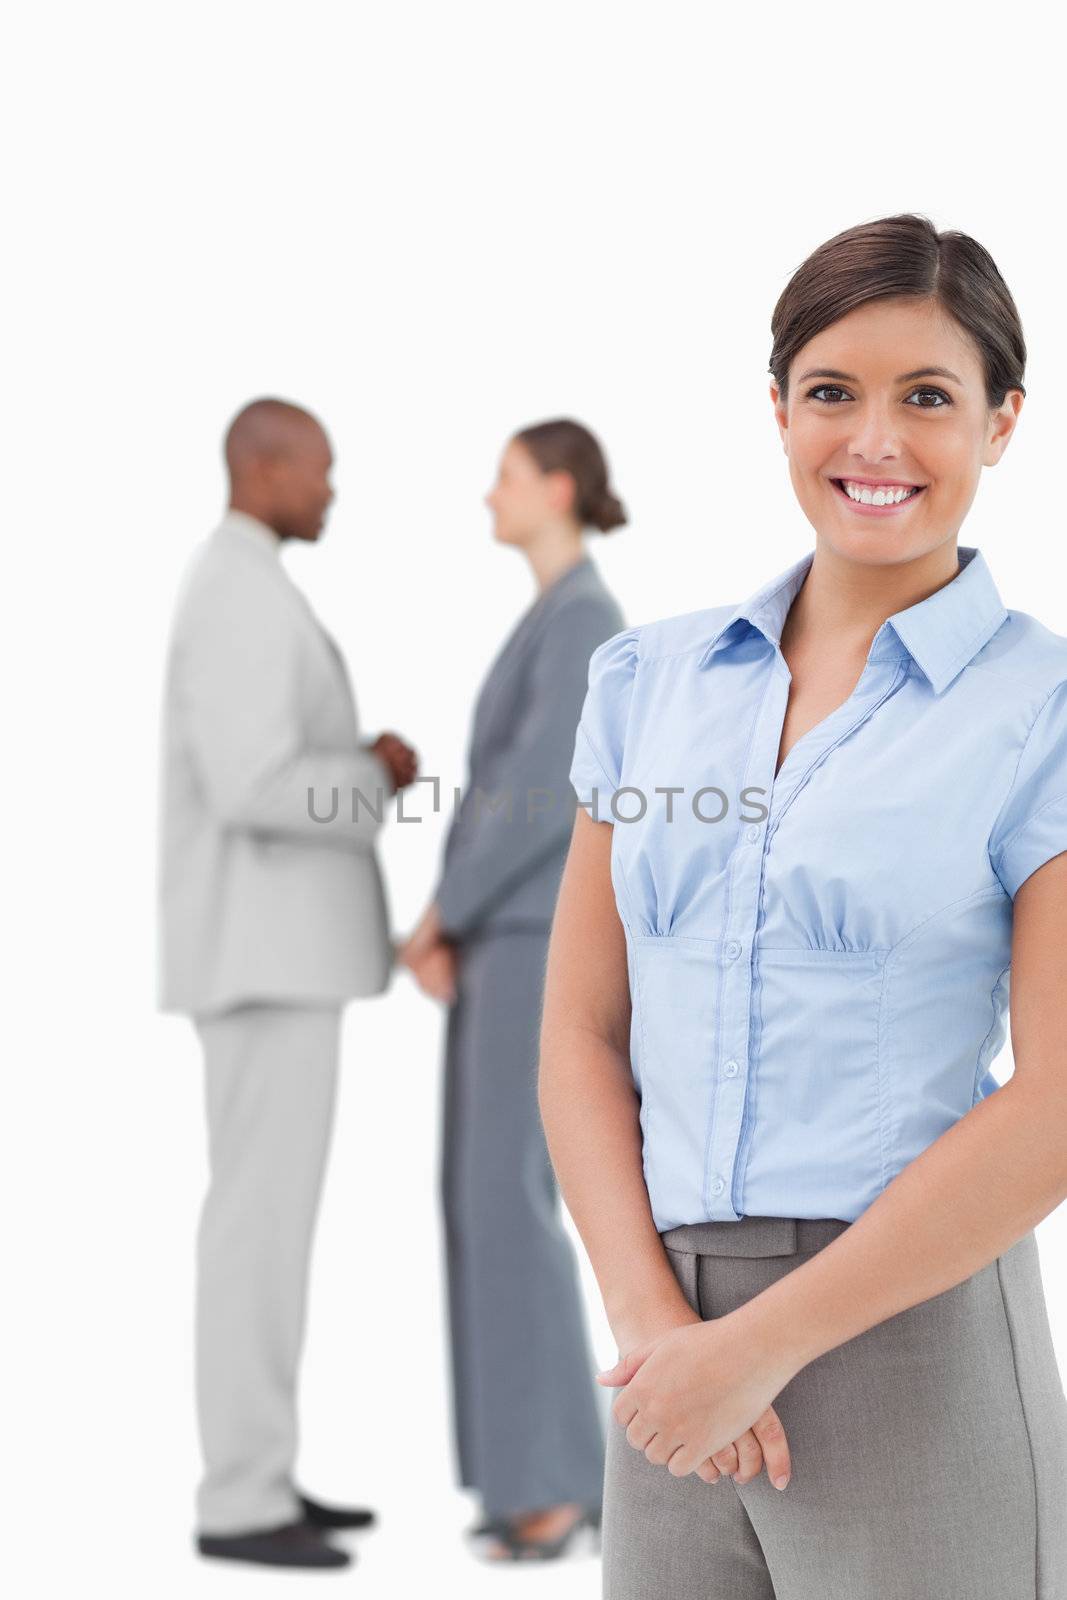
pixel 273 915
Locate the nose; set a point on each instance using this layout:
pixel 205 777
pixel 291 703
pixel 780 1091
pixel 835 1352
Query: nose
pixel 875 435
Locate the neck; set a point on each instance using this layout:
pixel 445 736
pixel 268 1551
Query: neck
pixel 554 553
pixel 252 508
pixel 842 603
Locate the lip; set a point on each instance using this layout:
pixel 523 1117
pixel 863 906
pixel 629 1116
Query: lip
pixel 879 483
pixel 875 483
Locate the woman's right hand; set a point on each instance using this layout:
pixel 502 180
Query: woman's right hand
pixel 762 1445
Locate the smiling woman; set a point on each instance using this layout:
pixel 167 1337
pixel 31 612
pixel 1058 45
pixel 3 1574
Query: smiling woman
pixel 872 434
pixel 767 1046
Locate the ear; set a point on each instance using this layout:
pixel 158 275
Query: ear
pixel 1001 426
pixel 562 491
pixel 269 468
pixel 780 414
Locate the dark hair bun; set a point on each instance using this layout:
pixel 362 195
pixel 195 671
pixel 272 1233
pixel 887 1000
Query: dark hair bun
pixel 606 512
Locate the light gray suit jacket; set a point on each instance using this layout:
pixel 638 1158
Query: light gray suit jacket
pixel 501 872
pixel 259 900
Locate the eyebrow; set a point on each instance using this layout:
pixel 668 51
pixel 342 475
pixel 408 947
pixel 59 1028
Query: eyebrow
pixel 905 377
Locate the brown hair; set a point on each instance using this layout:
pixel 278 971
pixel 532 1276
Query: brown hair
pixel 566 446
pixel 903 255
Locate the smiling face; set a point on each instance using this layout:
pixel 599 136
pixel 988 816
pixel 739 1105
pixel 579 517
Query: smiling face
pixel 890 398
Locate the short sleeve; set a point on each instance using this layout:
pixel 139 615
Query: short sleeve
pixel 1032 825
pixel 601 733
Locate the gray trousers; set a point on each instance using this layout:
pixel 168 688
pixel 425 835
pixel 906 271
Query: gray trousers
pixel 929 1454
pixel 270 1078
pixel 528 1416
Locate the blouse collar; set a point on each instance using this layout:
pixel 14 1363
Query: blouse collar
pixel 941 633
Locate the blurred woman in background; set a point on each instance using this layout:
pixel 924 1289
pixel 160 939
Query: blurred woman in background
pixel 527 1416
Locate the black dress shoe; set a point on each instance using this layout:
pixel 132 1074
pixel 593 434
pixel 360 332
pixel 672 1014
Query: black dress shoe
pixel 295 1544
pixel 320 1516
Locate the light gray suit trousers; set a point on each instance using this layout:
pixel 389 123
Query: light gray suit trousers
pixel 271 1078
pixel 929 1454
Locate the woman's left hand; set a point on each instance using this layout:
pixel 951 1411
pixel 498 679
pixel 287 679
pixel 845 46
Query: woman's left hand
pixel 427 933
pixel 693 1390
pixel 434 970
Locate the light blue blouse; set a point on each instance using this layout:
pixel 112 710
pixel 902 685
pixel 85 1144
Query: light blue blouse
pixel 819 962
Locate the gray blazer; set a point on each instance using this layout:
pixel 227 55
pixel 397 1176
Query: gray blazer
pixel 500 871
pixel 257 899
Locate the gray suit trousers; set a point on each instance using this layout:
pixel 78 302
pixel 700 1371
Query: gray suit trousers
pixel 527 1413
pixel 270 1076
pixel 929 1454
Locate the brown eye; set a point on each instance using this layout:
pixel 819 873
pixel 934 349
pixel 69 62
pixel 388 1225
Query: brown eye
pixel 938 394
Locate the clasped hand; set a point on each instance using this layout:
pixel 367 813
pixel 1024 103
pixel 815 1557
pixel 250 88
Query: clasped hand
pixel 696 1398
pixel 430 956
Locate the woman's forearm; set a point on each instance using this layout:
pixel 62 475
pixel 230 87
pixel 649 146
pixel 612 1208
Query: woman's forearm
pixel 983 1184
pixel 589 1108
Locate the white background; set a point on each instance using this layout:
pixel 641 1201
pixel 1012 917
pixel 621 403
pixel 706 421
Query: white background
pixel 431 223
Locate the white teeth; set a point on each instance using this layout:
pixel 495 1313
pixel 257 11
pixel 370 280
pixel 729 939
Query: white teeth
pixel 876 497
